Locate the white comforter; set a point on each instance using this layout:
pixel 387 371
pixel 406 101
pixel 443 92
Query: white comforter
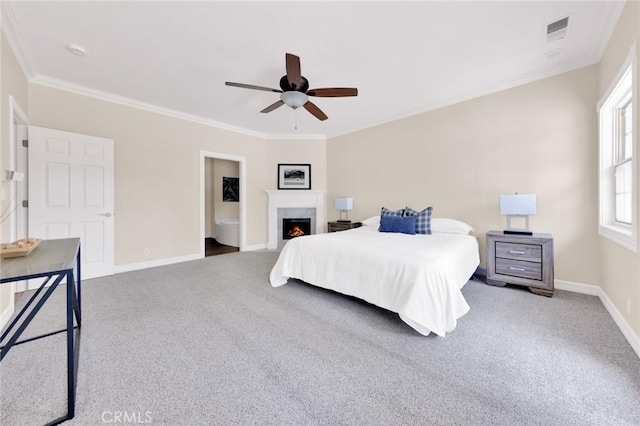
pixel 417 276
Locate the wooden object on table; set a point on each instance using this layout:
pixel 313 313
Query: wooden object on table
pixel 19 248
pixel 342 226
pixel 525 260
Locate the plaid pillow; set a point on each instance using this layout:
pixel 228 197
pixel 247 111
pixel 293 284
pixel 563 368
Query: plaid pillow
pixel 423 219
pixel 386 212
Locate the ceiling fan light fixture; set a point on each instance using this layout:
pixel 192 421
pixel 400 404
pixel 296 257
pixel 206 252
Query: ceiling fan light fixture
pixel 294 99
pixel 295 90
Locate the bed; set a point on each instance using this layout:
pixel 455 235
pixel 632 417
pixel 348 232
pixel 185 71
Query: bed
pixel 419 277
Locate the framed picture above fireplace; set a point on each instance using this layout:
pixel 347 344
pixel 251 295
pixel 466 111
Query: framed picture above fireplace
pixel 294 176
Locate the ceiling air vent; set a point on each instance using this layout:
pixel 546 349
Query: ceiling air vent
pixel 557 30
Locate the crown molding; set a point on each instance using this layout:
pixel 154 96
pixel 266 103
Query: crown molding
pixel 11 30
pixel 307 137
pixel 604 37
pixel 66 86
pixel 515 82
pixel 9 26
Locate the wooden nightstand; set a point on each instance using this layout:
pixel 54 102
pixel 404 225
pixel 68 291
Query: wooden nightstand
pixel 342 226
pixel 522 260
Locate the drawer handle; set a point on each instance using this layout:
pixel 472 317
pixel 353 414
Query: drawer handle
pixel 516 252
pixel 513 268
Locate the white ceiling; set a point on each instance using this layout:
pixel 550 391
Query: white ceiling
pixel 404 57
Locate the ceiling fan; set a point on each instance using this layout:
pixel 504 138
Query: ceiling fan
pixel 295 90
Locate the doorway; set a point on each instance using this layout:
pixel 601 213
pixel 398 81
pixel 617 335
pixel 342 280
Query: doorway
pixel 223 216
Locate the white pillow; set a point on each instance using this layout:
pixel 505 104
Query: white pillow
pixel 450 226
pixel 373 222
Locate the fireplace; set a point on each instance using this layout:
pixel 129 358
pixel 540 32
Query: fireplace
pixel 295 227
pixel 290 204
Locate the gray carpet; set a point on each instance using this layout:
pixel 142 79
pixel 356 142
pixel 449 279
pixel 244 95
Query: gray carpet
pixel 210 342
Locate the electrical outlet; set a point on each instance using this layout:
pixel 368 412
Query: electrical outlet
pixel 628 306
pixel 146 252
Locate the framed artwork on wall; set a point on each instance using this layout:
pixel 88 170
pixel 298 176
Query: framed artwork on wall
pixel 294 176
pixel 230 189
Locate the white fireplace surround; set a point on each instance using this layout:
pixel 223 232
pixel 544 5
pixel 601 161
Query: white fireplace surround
pixel 293 199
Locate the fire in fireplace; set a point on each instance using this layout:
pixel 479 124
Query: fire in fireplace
pixel 297 227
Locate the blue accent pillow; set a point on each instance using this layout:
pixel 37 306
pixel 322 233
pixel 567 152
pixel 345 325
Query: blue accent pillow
pixel 386 212
pixel 398 224
pixel 423 219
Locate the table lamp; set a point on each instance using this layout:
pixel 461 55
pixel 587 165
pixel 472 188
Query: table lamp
pixel 344 204
pixel 518 205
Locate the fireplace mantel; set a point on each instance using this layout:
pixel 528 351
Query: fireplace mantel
pixel 292 199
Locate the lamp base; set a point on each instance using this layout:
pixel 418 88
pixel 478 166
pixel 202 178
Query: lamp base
pixel 344 221
pixel 512 232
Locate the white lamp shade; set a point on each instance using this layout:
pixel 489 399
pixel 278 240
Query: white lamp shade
pixel 518 204
pixel 294 98
pixel 344 203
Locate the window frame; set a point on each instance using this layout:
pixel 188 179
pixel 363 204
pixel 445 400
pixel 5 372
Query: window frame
pixel 615 98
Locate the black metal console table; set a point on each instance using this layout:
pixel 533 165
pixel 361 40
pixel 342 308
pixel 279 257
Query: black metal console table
pixel 54 260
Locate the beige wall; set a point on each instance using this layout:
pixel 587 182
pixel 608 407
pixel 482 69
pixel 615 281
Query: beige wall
pixel 536 138
pixel 157 170
pixel 620 268
pixel 14 84
pixel 313 152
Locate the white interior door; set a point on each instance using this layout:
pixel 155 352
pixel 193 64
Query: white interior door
pixel 71 194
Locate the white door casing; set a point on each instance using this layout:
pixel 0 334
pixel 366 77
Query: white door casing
pixel 18 218
pixel 22 194
pixel 71 194
pixel 22 213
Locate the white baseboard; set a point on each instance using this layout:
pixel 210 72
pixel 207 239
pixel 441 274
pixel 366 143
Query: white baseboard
pixel 6 314
pixel 154 263
pixel 589 289
pixel 255 247
pixel 170 261
pixel 594 290
pixel 623 325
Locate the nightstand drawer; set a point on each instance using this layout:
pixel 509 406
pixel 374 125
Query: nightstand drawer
pixel 517 268
pixel 520 259
pixel 528 252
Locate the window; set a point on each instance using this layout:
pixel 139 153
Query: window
pixel 617 159
pixel 623 160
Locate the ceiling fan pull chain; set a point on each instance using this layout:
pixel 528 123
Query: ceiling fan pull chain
pixel 295 114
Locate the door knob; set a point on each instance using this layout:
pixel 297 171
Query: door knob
pixel 105 214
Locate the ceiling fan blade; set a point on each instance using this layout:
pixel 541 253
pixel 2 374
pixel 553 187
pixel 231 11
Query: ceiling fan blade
pixel 333 92
pixel 273 106
pixel 251 86
pixel 317 112
pixel 293 70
